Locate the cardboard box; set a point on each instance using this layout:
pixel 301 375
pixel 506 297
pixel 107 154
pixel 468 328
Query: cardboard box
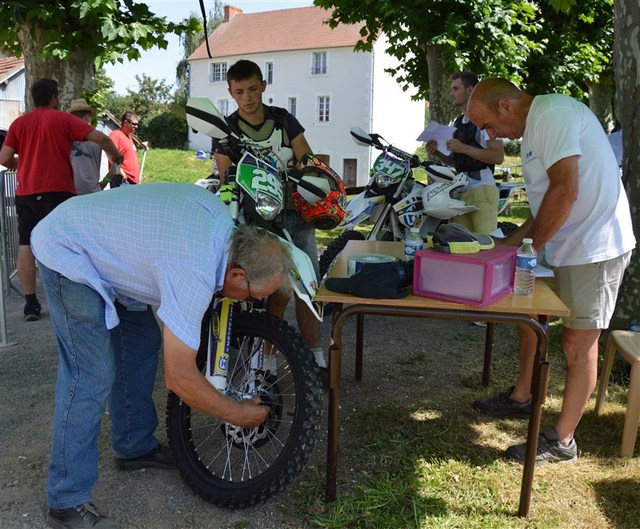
pixel 475 279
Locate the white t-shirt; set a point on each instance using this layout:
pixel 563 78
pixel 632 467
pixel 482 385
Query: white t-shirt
pixel 599 225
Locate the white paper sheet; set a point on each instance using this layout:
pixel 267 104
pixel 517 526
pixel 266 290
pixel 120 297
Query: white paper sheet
pixel 440 133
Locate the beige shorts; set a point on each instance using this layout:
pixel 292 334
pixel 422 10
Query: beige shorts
pixel 590 291
pixel 485 220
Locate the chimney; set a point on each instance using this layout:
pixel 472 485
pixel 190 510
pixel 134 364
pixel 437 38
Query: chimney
pixel 230 12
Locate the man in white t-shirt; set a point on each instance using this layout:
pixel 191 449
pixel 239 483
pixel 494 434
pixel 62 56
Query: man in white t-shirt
pixel 581 217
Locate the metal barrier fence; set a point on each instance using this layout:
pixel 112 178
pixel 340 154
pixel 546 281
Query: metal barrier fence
pixel 8 229
pixel 8 246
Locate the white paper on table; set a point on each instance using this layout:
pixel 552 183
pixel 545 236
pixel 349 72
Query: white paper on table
pixel 440 133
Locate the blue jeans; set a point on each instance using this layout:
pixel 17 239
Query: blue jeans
pixel 97 366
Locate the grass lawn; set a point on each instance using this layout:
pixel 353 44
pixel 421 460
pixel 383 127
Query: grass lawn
pixel 430 463
pixel 165 165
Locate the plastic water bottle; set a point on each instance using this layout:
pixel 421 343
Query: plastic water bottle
pixel 412 243
pixel 526 260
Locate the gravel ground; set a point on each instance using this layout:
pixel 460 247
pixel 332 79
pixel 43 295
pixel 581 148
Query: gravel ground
pixel 159 499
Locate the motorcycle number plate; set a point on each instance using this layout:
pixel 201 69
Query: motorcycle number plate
pixel 389 166
pixel 256 177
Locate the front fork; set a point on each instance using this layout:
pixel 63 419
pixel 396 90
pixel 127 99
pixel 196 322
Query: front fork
pixel 218 353
pixel 219 340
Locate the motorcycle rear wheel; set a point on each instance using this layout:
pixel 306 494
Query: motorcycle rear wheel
pixel 234 467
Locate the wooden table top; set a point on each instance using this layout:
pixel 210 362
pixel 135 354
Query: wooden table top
pixel 543 302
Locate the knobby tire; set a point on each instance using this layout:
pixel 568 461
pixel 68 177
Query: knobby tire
pixel 335 247
pixel 236 468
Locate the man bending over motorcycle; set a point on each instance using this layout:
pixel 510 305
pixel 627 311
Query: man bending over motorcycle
pixel 100 286
pixel 282 136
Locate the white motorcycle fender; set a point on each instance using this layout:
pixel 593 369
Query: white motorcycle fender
pixel 359 208
pixel 303 279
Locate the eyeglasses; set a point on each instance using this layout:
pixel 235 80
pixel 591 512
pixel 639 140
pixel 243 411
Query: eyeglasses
pixel 132 123
pixel 250 298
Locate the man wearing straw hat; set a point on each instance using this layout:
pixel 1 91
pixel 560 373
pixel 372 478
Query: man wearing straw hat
pixel 87 157
pixel 43 139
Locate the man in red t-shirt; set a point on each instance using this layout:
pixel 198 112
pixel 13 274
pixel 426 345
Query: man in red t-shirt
pixel 43 139
pixel 130 169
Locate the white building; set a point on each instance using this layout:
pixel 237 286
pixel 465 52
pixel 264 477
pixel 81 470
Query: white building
pixel 313 72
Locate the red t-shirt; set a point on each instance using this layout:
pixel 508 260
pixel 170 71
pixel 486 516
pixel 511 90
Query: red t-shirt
pixel 43 139
pixel 125 145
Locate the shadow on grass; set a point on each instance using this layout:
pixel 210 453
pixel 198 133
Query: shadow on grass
pixel 601 435
pixel 402 466
pixel 620 501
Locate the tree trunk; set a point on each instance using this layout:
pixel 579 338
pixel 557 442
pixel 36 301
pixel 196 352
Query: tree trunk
pixel 627 76
pixel 75 74
pixel 440 108
pixel 601 96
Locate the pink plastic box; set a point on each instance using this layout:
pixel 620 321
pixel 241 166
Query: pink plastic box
pixel 475 279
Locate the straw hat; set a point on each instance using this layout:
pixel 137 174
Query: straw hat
pixel 80 105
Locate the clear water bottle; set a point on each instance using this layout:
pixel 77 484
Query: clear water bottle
pixel 412 243
pixel 526 260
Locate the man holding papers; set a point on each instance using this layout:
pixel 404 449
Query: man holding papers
pixel 472 151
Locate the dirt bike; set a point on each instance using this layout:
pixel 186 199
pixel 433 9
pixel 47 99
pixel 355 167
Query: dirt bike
pixel 392 199
pixel 245 353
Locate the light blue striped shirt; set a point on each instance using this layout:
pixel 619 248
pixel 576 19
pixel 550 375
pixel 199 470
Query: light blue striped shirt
pixel 157 244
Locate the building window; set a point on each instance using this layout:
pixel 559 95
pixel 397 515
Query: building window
pixel 292 106
pixel 268 71
pixel 223 106
pixel 324 109
pixel 319 63
pixel 217 72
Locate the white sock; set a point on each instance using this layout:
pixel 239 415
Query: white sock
pixel 319 356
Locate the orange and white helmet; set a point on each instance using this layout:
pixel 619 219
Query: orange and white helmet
pixel 320 197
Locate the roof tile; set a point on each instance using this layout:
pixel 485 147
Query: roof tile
pixel 8 65
pixel 280 30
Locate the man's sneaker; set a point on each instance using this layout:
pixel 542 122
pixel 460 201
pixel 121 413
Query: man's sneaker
pixel 32 312
pixel 159 457
pixel 503 405
pixel 550 450
pixel 80 517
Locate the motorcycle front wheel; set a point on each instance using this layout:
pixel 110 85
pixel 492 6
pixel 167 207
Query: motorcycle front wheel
pixel 237 467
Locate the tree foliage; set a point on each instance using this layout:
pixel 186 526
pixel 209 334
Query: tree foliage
pixel 68 39
pixel 531 43
pixel 164 129
pixel 578 55
pixel 491 37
